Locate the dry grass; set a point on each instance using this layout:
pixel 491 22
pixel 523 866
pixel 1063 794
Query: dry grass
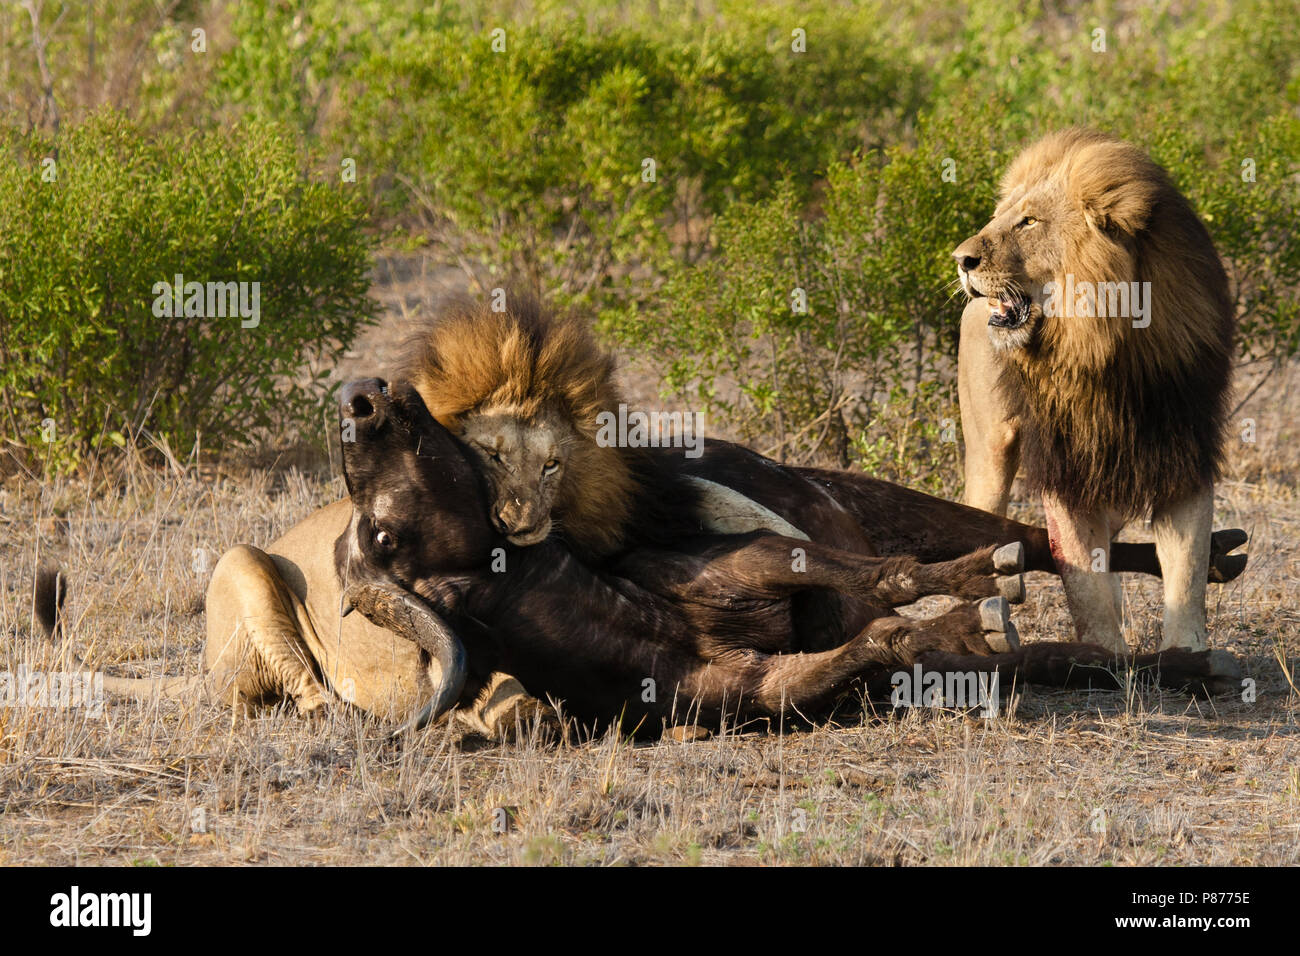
pixel 1177 781
pixel 1067 778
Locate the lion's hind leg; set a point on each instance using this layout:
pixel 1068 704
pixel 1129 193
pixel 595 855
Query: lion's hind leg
pixel 1182 533
pixel 255 653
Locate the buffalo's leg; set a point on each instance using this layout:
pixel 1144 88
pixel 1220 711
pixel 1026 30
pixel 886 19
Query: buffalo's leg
pixel 903 521
pixel 1226 567
pixel 810 683
pixel 987 572
pixel 255 652
pixel 774 566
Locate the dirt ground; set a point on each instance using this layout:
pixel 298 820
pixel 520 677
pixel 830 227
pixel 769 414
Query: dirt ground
pixel 1063 778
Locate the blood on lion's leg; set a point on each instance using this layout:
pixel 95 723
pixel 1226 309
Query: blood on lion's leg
pixel 1081 546
pixel 1182 533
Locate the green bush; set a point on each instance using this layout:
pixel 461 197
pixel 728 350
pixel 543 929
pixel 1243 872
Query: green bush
pixel 80 343
pixel 819 329
pixel 872 251
pixel 774 169
pixel 134 55
pixel 527 155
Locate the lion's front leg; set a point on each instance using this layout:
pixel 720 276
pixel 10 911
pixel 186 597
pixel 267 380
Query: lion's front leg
pixel 1182 533
pixel 1081 546
pixel 989 430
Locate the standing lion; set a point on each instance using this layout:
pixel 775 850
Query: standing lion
pixel 1097 351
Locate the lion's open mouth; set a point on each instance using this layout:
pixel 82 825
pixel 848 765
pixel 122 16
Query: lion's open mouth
pixel 1008 311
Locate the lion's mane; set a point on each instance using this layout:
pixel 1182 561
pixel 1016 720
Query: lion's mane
pixel 529 359
pixel 1112 415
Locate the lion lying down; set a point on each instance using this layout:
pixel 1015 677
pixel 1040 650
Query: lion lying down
pixel 707 632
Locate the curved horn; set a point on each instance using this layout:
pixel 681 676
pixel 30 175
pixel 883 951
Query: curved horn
pixel 410 617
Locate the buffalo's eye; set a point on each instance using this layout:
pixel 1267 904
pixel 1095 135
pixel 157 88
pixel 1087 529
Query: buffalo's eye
pixel 550 467
pixel 385 540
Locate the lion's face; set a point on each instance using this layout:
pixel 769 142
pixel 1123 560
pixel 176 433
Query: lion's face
pixel 524 462
pixel 1016 260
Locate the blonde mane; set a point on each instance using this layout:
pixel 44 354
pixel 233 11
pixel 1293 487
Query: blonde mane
pixel 1115 413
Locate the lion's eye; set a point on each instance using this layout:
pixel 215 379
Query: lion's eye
pixel 550 467
pixel 1027 221
pixel 385 540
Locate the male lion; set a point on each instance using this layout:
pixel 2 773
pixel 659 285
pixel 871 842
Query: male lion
pixel 523 388
pixel 1101 356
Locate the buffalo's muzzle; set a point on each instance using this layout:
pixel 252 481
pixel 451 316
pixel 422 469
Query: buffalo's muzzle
pixel 364 401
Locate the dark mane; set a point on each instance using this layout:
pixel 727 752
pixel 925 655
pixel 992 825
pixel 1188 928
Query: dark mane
pixel 530 358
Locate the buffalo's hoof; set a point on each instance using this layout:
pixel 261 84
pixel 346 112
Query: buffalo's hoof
pixel 1004 642
pixel 995 620
pixel 1224 678
pixel 1010 558
pixel 1013 588
pixel 995 614
pixel 1225 567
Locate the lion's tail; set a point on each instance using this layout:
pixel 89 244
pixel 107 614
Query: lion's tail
pixel 50 593
pixel 51 589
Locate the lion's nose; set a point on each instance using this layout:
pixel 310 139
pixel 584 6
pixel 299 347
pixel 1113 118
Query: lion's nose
pixel 364 399
pixel 968 263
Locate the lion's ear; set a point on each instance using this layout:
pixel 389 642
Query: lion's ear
pixel 1117 200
